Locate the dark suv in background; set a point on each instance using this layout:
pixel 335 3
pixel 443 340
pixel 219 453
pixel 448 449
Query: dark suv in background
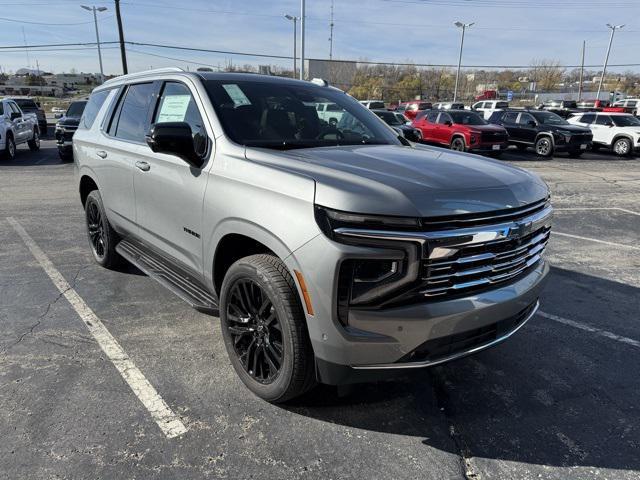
pixel 66 127
pixel 546 132
pixel 564 108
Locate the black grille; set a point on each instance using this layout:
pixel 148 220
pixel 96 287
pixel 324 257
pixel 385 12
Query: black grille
pixel 580 139
pixel 493 137
pixel 440 348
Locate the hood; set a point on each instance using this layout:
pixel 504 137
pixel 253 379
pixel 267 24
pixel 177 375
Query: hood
pixel 485 128
pixel 569 128
pixel 416 181
pixel 69 121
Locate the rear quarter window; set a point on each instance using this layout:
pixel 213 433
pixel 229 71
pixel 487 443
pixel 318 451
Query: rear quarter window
pixel 93 107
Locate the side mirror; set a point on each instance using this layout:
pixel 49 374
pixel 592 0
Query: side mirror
pixel 15 115
pixel 58 115
pixel 531 123
pixel 448 123
pixel 175 138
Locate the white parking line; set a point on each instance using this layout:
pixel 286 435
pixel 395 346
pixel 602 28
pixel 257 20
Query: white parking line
pixel 613 244
pixel 577 209
pixel 166 419
pixel 589 328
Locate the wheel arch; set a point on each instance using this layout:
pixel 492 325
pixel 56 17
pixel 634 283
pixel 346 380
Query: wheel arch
pixel 86 185
pixel 618 136
pixel 549 135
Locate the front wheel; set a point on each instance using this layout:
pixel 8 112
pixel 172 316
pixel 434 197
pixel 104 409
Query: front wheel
pixel 9 152
pixel 264 329
pixel 34 143
pixel 622 147
pixel 102 237
pixel 544 147
pixel 457 144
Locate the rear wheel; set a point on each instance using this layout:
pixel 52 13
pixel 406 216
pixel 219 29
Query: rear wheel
pixel 9 152
pixel 34 143
pixel 264 329
pixel 457 144
pixel 544 147
pixel 102 237
pixel 622 147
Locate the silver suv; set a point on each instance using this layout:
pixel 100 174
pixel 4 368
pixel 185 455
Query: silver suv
pixel 336 253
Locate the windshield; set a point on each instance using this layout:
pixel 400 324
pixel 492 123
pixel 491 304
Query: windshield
pixel 549 118
pixel 25 104
pixel 376 105
pixel 625 121
pixel 285 115
pixel 390 118
pixel 467 118
pixel 76 109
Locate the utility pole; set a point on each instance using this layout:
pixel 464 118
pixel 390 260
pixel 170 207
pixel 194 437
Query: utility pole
pixel 123 53
pixel 295 37
pixel 584 46
pixel 95 21
pixel 24 37
pixel 606 60
pixel 302 33
pixel 331 34
pixel 464 27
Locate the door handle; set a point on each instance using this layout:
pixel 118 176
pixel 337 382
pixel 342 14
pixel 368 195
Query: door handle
pixel 144 166
pixel 101 154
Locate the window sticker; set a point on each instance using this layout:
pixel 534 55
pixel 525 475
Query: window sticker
pixel 174 108
pixel 237 95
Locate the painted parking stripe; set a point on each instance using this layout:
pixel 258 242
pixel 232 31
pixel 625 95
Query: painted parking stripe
pixel 596 240
pixel 589 328
pixel 167 420
pixel 586 209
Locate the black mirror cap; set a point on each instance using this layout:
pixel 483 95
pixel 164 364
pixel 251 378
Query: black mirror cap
pixel 175 138
pixel 448 123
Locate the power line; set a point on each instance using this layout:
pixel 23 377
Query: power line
pixel 4 19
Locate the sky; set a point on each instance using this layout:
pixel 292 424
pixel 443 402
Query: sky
pixel 506 32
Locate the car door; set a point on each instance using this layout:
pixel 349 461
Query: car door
pixel 510 123
pixel 427 125
pixel 588 120
pixel 443 130
pixel 20 128
pixel 527 128
pixel 602 129
pixel 169 191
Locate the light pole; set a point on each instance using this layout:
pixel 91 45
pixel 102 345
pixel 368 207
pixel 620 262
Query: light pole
pixel 464 27
pixel 302 16
pixel 295 35
pixel 606 60
pixel 95 9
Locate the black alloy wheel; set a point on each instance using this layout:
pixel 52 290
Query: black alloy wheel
pixel 255 330
pixel 95 228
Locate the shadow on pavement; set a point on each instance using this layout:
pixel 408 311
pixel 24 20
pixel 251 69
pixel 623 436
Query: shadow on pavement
pixel 551 395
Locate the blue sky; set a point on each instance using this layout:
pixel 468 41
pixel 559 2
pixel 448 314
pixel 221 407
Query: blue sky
pixel 509 32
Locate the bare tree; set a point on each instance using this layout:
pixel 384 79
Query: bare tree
pixel 547 73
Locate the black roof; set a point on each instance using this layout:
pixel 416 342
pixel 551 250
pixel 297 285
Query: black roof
pixel 251 77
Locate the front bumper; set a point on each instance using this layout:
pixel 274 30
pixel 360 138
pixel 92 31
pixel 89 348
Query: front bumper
pixel 381 342
pixel 488 147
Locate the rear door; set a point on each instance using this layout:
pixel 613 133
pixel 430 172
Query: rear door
pixel 527 128
pixel 169 191
pixel 603 129
pixel 443 131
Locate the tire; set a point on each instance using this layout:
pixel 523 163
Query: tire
pixel 458 145
pixel 622 147
pixel 544 147
pixel 9 152
pixel 34 143
pixel 65 157
pixel 269 349
pixel 102 237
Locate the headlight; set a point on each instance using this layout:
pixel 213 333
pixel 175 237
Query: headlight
pixel 368 281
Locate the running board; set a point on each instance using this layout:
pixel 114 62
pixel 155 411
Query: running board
pixel 176 279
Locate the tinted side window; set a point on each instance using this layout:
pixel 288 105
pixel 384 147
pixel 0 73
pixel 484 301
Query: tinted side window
pixel 525 118
pixel 134 119
pixel 177 105
pixel 588 118
pixel 510 117
pixel 444 118
pixel 432 117
pixel 603 120
pixel 93 107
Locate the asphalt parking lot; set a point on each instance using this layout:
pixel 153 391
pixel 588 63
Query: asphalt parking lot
pixel 560 400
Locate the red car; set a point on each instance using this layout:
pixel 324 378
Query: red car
pixel 461 130
pixel 411 109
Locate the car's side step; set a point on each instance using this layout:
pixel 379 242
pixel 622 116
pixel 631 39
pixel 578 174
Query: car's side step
pixel 169 275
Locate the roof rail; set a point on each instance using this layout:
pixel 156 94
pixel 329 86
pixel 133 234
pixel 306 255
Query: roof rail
pixel 143 74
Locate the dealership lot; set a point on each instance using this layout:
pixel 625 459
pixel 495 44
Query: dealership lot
pixel 559 400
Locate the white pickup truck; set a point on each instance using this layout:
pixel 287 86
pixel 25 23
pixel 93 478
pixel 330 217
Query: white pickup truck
pixel 16 128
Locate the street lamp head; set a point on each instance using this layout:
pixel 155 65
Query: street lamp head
pixel 102 9
pixel 464 25
pixel 614 27
pixel 459 24
pixel 290 17
pixel 85 7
